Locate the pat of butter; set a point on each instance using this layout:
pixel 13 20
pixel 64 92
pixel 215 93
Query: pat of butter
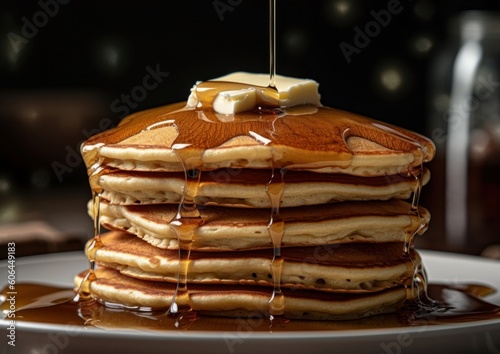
pixel 234 101
pixel 292 92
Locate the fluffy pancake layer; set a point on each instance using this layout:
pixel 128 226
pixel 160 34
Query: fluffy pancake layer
pixel 113 288
pixel 239 229
pixel 326 140
pixel 248 188
pixel 354 267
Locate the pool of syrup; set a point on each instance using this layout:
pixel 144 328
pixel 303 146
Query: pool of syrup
pixel 55 305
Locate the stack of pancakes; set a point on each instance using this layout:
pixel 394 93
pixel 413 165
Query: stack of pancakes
pixel 307 212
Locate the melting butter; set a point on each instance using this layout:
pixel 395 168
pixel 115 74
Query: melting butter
pixel 245 91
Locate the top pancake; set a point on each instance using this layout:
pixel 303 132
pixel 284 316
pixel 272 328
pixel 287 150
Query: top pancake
pixel 176 137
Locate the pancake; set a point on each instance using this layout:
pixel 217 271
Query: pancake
pixel 297 210
pixel 319 138
pixel 113 288
pixel 355 267
pixel 242 229
pixel 248 188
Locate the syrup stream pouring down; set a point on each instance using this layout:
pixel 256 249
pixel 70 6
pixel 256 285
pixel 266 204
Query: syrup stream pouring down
pixel 274 190
pixel 272 44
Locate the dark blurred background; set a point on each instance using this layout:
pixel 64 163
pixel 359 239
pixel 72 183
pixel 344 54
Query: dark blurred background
pixel 69 69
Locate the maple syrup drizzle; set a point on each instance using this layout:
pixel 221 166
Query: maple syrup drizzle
pixel 414 213
pixel 417 286
pixel 276 229
pixel 274 190
pixel 84 292
pixel 96 168
pixel 419 281
pixel 185 224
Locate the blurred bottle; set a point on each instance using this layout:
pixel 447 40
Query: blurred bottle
pixel 464 123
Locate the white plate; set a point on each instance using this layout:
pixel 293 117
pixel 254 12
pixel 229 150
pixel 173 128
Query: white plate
pixel 59 269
